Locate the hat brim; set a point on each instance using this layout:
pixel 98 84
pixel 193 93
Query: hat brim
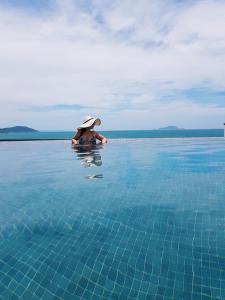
pixel 90 123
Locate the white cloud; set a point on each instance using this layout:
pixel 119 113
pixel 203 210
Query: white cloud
pixel 109 56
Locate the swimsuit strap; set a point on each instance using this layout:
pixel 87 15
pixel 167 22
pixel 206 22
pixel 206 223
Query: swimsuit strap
pixel 81 140
pixel 93 140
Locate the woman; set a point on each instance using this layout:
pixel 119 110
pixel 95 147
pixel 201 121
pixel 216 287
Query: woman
pixel 85 135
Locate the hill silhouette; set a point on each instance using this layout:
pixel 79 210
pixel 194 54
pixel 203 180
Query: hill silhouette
pixel 16 129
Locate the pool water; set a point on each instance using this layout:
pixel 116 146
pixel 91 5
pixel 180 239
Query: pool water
pixel 131 220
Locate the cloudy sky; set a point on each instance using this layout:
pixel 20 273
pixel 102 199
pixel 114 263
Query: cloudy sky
pixel 137 64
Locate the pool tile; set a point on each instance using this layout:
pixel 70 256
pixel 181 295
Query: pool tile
pixel 144 231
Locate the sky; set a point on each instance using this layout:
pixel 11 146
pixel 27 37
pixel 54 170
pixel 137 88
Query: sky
pixel 135 64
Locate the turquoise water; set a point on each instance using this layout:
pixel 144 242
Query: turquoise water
pixel 135 219
pixel 65 135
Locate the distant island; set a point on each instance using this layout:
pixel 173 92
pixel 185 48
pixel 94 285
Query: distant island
pixel 170 128
pixel 17 129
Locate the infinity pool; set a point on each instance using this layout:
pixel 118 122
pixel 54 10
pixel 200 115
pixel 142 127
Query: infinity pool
pixel 132 220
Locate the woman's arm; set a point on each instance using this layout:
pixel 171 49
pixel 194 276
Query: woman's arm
pixel 76 138
pixel 101 138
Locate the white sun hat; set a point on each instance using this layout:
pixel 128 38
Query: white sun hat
pixel 89 121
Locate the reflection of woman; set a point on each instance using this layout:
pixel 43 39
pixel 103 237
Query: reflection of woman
pixel 85 135
pixel 89 155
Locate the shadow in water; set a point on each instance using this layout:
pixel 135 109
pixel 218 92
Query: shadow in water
pixel 89 156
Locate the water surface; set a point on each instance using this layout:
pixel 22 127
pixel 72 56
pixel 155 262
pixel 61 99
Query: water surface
pixel 135 219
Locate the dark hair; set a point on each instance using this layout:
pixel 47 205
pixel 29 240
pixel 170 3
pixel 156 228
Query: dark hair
pixel 82 131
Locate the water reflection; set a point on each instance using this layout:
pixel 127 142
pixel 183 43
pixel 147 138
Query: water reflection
pixel 90 156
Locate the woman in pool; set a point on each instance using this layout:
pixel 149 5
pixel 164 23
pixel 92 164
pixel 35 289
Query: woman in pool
pixel 85 135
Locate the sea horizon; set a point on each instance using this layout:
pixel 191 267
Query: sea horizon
pixel 114 134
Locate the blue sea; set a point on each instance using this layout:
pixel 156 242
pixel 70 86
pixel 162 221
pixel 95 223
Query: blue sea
pixel 126 134
pixel 135 219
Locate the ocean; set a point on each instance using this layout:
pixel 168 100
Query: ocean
pixel 116 134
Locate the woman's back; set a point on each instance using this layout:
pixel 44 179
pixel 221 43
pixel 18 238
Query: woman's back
pixel 87 138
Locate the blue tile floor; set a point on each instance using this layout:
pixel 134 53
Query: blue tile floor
pixel 133 220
